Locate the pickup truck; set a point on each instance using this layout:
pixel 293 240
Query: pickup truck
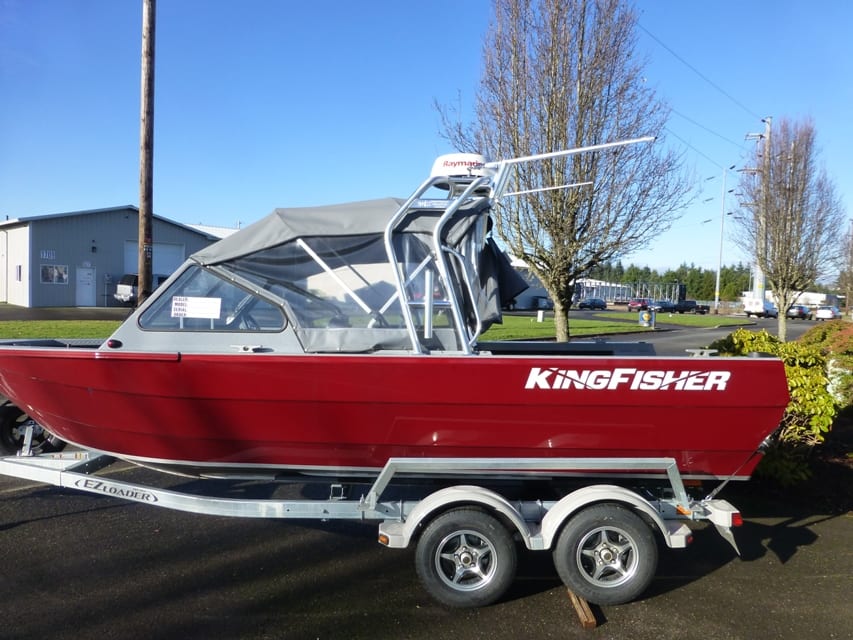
pixel 691 306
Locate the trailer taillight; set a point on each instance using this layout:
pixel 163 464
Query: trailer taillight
pixel 737 519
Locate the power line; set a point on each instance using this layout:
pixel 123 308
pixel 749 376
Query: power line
pixel 701 153
pixel 739 145
pixel 700 74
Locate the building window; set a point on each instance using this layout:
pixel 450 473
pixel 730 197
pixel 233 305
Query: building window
pixel 54 274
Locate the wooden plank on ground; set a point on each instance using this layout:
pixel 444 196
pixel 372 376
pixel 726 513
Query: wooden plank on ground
pixel 585 614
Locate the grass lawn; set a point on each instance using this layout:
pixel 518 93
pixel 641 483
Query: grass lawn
pixel 683 319
pixel 57 328
pixel 606 322
pixel 513 327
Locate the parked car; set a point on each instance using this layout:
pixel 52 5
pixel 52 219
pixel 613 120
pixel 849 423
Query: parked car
pixel 127 288
pixel 592 303
pixel 826 312
pixel 662 306
pixel 691 306
pixel 799 312
pixel 638 304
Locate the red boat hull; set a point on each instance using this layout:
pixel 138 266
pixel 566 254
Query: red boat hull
pixel 239 413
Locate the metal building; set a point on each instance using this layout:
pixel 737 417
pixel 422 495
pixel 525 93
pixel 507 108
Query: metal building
pixel 75 259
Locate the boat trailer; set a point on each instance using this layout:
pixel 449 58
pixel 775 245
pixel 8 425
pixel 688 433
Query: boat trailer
pixel 602 536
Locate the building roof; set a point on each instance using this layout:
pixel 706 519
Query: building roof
pixel 213 230
pixel 28 219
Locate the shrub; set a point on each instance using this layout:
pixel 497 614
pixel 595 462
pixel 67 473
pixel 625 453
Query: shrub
pixel 835 341
pixel 809 414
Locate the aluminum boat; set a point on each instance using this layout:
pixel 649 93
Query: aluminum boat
pixel 326 340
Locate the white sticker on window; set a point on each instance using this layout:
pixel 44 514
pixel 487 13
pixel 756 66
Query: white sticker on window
pixel 195 307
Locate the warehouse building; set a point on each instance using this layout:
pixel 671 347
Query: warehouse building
pixel 75 259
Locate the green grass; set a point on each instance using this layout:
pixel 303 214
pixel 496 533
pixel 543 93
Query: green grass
pixel 683 319
pixel 521 327
pixel 513 327
pixel 606 322
pixel 57 328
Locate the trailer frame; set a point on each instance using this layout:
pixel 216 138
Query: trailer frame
pixel 472 511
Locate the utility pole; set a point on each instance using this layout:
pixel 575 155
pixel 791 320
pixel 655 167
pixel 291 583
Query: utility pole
pixel 722 227
pixel 765 202
pixel 763 210
pixel 146 151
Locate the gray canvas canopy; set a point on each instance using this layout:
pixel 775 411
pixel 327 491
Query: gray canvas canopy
pixel 333 266
pixel 286 224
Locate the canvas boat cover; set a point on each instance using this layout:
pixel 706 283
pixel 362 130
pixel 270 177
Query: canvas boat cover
pixel 297 249
pixel 286 224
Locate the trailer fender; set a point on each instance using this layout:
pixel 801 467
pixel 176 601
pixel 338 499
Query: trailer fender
pixel 572 503
pixel 399 534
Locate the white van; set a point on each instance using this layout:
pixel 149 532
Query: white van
pixel 759 308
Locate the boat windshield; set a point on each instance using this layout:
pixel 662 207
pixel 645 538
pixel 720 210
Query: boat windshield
pixel 201 300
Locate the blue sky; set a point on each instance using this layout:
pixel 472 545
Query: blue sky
pixel 267 103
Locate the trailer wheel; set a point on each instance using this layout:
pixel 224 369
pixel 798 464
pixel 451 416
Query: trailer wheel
pixel 466 558
pixel 13 424
pixel 606 554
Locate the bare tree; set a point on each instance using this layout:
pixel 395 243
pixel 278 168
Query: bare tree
pixel 795 221
pixel 845 276
pixel 562 74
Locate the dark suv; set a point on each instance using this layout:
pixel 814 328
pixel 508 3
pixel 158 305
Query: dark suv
pixel 592 303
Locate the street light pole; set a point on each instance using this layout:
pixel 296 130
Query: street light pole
pixel 720 255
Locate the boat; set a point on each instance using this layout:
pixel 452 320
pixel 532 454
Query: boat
pixel 324 341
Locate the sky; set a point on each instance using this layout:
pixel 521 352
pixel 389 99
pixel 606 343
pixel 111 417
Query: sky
pixel 277 103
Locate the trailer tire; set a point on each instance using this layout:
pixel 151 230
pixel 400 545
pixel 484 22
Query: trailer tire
pixel 13 421
pixel 466 558
pixel 606 554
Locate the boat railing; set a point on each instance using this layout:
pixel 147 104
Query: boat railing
pixel 466 336
pixel 462 189
pixel 501 168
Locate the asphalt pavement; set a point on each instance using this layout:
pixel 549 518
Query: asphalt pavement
pixel 88 566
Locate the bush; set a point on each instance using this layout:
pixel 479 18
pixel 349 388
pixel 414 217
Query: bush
pixel 835 341
pixel 812 409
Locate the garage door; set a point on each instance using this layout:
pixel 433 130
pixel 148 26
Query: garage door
pixel 165 259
